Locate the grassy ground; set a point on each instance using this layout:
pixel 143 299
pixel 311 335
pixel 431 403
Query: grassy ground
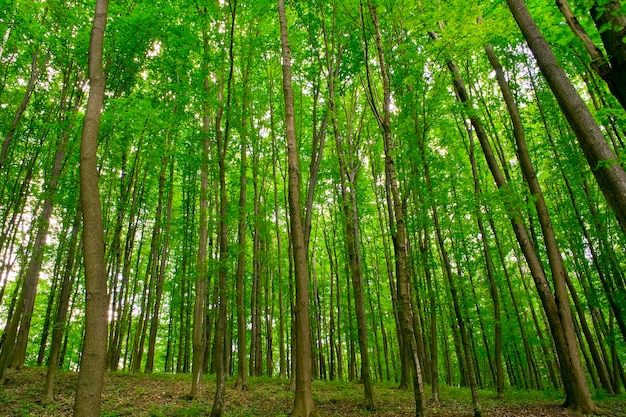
pixel 162 395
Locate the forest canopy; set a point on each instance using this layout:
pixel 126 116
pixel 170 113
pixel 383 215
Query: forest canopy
pixel 375 190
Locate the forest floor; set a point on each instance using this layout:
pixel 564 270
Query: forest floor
pixel 164 395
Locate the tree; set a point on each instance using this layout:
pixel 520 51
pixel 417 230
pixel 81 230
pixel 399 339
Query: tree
pixel 93 359
pixel 303 401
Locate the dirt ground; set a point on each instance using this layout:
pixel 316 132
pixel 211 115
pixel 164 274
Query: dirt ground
pixel 165 395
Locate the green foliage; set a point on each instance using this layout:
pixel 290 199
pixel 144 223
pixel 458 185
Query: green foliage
pixel 165 64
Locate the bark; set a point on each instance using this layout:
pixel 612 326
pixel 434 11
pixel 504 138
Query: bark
pixel 493 288
pixel 119 304
pixel 580 397
pixel 604 164
pixel 598 62
pixel 424 253
pixel 93 360
pixel 242 372
pixel 14 345
pixel 303 400
pixel 611 23
pixel 279 246
pixel 466 358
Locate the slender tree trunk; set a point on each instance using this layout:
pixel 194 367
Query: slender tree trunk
pixel 577 393
pixel 93 360
pixel 493 289
pixel 154 323
pixel 353 248
pixel 303 400
pixel 14 344
pixel 469 372
pixel 597 60
pixel 279 246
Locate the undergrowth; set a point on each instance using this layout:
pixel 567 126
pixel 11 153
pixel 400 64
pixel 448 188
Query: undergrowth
pixel 165 395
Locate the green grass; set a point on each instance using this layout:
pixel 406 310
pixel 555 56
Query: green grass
pixel 164 395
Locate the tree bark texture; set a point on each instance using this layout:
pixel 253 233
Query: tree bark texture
pixel 303 400
pixel 92 365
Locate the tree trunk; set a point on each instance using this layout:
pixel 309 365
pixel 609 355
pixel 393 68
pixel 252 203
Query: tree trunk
pixel 353 240
pixel 242 371
pixel 93 360
pixel 303 400
pixel 493 289
pixel 222 146
pixel 34 74
pixel 154 323
pixel 597 60
pixel 611 23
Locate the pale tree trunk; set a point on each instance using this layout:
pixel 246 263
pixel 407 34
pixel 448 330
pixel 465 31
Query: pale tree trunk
pixel 282 350
pixel 303 400
pixel 398 227
pixel 424 243
pixel 603 162
pixel 15 343
pixel 93 359
pixel 468 370
pixel 154 323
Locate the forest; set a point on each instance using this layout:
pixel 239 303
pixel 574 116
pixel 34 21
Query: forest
pixel 418 194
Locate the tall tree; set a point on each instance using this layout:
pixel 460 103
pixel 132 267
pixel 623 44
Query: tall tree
pixel 93 359
pixel 303 401
pixel 222 137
